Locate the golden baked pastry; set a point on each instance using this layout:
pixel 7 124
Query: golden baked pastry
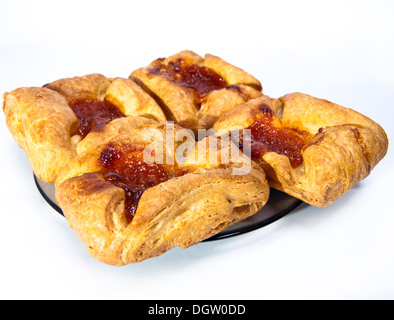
pixel 126 210
pixel 49 122
pixel 310 148
pixel 194 91
pixel 90 136
pixel 41 122
pixel 125 94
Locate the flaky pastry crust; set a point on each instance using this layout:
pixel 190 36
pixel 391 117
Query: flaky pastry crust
pixel 123 93
pixel 43 124
pixel 343 149
pixel 182 211
pixel 178 99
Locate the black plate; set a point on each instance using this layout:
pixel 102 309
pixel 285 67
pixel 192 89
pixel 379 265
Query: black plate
pixel 278 205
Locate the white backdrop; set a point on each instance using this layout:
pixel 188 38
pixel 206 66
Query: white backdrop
pixel 337 50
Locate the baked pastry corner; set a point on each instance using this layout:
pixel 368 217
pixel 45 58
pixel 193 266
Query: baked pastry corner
pixel 45 123
pixel 41 123
pixel 310 148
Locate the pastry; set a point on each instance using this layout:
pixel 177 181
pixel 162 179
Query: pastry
pixel 88 135
pixel 310 148
pixel 131 177
pixel 126 210
pixel 41 123
pixel 194 91
pixel 48 123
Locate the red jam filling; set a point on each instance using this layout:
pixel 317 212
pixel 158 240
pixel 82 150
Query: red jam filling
pixel 268 135
pixel 92 113
pixel 201 79
pixel 124 167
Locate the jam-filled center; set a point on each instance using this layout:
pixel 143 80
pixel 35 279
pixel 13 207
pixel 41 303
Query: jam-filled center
pixel 124 166
pixel 201 79
pixel 92 113
pixel 268 135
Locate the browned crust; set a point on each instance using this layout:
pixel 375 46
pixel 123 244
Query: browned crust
pixel 132 100
pixel 346 146
pixel 89 87
pixel 42 122
pixel 183 211
pixel 233 75
pixel 180 212
pixel 179 101
pixel 223 101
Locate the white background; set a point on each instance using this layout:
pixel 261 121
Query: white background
pixel 337 50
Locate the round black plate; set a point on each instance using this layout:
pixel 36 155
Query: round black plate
pixel 278 205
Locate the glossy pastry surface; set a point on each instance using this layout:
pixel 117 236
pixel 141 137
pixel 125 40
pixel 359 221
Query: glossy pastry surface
pixel 133 184
pixel 195 91
pixel 126 210
pixel 310 148
pixel 48 123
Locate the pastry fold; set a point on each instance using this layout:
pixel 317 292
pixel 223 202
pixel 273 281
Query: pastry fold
pixel 45 127
pixel 342 149
pixel 89 136
pixel 178 97
pixel 181 211
pixel 41 123
pixel 123 93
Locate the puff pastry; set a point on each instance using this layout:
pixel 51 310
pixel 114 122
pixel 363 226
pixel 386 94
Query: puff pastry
pixel 46 124
pixel 194 91
pixel 70 129
pixel 310 148
pixel 88 136
pixel 41 123
pixel 126 211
